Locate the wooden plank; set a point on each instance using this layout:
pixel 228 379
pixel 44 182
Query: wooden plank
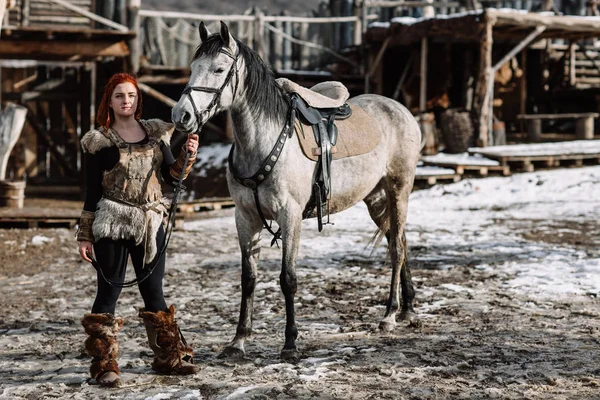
pixel 59 48
pixel 205 205
pixel 423 74
pixel 558 116
pixel 311 20
pixel 25 11
pixel 481 96
pixel 195 16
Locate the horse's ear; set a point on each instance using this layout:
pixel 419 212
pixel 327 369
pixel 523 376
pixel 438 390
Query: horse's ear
pixel 204 33
pixel 227 38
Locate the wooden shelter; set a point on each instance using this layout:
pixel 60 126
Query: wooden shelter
pixel 465 56
pixel 53 56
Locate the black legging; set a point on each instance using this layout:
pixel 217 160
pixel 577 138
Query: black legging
pixel 112 257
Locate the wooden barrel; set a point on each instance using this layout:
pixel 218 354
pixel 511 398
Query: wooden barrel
pixel 12 194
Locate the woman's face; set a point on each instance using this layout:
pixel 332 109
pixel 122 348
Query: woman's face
pixel 124 99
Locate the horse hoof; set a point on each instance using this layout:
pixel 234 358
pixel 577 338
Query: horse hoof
pixel 232 352
pixel 290 354
pixel 387 326
pixel 408 315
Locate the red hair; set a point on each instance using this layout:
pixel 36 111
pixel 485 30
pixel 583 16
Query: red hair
pixel 106 116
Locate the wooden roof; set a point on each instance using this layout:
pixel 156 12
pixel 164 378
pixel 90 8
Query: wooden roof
pixel 468 26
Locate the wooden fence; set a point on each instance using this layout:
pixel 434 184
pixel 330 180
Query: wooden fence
pixel 168 39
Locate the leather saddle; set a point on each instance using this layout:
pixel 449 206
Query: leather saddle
pixel 320 111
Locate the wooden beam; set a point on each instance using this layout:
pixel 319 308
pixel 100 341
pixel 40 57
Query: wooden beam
pixel 523 88
pixel 513 52
pixel 379 56
pixel 423 80
pixel 164 79
pixel 481 98
pixel 134 24
pixel 32 49
pixel 157 95
pixel 552 22
pixel 195 16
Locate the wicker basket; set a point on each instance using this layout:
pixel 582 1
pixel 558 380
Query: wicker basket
pixel 457 130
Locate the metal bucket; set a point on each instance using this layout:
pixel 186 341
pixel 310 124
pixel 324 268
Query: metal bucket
pixel 12 194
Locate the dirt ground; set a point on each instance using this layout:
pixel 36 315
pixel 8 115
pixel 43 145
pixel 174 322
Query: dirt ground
pixel 476 339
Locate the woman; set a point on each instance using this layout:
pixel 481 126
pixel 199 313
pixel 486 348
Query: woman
pixel 125 161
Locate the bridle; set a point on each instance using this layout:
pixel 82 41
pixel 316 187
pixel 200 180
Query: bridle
pixel 213 103
pixel 268 164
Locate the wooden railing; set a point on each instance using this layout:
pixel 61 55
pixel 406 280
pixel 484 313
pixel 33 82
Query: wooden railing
pixel 168 39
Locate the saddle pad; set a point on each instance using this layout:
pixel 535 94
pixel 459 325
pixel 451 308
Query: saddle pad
pixel 358 134
pixel 328 94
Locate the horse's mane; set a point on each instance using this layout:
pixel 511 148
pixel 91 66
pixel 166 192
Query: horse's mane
pixel 262 92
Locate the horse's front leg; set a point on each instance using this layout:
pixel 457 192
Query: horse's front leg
pixel 291 226
pixel 248 229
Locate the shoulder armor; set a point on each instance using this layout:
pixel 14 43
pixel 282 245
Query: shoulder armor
pixel 159 130
pixel 95 140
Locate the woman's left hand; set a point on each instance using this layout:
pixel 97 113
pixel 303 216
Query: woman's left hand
pixel 191 145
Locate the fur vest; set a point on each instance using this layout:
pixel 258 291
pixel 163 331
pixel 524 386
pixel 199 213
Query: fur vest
pixel 132 206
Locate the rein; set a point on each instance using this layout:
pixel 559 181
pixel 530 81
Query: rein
pixel 168 230
pixel 266 168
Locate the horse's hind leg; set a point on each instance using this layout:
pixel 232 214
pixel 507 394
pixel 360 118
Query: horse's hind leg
pixel 249 238
pixel 390 216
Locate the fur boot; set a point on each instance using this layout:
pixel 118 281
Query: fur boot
pixel 103 347
pixel 171 354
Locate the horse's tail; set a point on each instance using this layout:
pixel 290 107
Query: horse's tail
pixel 380 233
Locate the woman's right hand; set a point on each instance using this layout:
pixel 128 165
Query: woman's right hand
pixel 85 250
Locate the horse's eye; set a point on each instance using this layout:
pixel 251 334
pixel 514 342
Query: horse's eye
pixel 219 71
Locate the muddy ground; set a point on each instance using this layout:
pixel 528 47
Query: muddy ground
pixel 477 338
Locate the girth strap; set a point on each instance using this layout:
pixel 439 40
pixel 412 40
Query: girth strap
pixel 267 167
pixel 325 131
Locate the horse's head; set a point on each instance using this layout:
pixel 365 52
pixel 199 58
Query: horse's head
pixel 213 80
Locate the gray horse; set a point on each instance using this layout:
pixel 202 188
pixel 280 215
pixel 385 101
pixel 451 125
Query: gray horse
pixel 227 75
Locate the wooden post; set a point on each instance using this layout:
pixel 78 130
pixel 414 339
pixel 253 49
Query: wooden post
pixel 481 98
pixel 277 47
pixel 134 24
pixel 180 42
pixel 304 50
pixel 85 87
pixel 534 130
pixel 584 128
pixel 572 63
pixel 428 11
pixel 358 32
pixel 259 34
pixel 423 86
pixel 2 12
pixel 287 45
pixel 523 99
pixel 25 10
